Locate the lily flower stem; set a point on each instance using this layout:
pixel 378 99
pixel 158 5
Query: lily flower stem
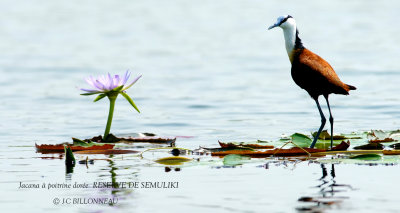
pixel 112 99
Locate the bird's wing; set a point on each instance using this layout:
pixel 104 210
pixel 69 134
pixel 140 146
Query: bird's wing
pixel 318 68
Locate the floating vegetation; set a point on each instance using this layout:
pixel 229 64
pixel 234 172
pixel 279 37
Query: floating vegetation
pixel 53 148
pixel 174 160
pixel 235 160
pixel 357 148
pixel 244 145
pixel 370 146
pixel 107 151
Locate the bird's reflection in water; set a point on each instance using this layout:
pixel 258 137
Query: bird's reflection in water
pixel 330 193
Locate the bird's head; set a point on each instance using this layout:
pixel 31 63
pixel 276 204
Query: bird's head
pixel 284 22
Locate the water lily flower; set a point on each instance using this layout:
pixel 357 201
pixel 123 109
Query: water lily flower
pixel 110 86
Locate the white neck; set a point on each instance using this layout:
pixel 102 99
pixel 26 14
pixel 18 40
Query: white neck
pixel 290 38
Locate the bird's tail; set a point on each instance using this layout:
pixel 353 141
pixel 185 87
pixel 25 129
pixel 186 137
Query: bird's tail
pixel 351 87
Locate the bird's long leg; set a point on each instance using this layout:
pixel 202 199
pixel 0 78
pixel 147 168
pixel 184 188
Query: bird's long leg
pixel 323 121
pixel 330 119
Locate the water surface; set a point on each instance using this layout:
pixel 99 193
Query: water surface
pixel 210 70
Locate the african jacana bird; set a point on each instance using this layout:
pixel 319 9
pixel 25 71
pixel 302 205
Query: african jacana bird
pixel 310 71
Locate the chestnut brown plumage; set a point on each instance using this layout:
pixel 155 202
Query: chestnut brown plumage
pixel 311 72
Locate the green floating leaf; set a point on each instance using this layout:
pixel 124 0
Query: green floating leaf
pixel 99 97
pixel 366 157
pixel 301 139
pixel 129 99
pixel 324 144
pixel 235 160
pixel 326 136
pixel 175 160
pixel 79 142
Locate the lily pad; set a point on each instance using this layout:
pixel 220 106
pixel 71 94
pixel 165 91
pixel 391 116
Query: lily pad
pixel 146 139
pixel 370 146
pixel 382 135
pixel 295 151
pixel 304 141
pixel 107 151
pixel 366 157
pixel 301 139
pixel 235 160
pixel 174 160
pixel 54 148
pixel 386 140
pixel 391 152
pixel 226 149
pixel 244 145
pixel 326 136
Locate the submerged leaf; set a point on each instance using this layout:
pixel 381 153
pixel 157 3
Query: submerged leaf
pixel 175 160
pixel 295 151
pixel 366 157
pixel 235 160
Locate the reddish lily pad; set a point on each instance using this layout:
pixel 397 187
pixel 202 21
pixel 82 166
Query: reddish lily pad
pixel 242 145
pixel 107 151
pixel 391 152
pixel 49 148
pixel 381 140
pixel 341 147
pixel 146 139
